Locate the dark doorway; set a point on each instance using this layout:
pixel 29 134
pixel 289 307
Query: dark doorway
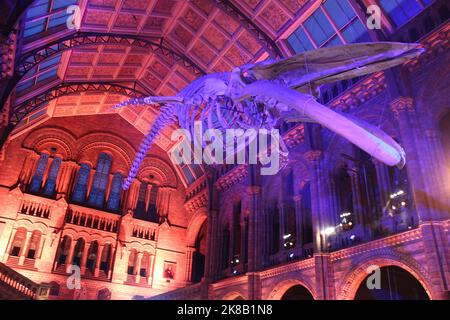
pixel 297 292
pixel 396 284
pixel 198 259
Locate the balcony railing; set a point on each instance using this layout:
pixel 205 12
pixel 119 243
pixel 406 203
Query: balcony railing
pixel 94 219
pixel 14 285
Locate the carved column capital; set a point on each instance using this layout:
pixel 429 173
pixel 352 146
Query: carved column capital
pixel 402 104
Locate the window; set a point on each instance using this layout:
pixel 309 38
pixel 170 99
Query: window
pixel 401 11
pixel 79 192
pixel 18 241
pixel 49 188
pixel 45 15
pixel 33 247
pixel 36 182
pixel 78 252
pixel 114 195
pixel 92 256
pixel 45 71
pixel 333 23
pixel 237 208
pixel 141 207
pixel 132 262
pixel 190 171
pixel 105 259
pixel 274 227
pixel 97 194
pixel 225 247
pixel 63 251
pixel 152 210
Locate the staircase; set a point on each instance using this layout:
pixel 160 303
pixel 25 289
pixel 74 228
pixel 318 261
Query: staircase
pixel 15 286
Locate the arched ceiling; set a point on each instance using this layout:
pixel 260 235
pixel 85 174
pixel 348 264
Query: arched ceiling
pixel 188 38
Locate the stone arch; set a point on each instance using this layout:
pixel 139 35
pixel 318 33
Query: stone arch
pixel 234 295
pixel 43 139
pixel 281 287
pixel 160 169
pixel 195 223
pixel 31 226
pixel 88 148
pixel 351 281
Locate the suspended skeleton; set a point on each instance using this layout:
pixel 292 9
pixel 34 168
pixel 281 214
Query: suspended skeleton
pixel 257 96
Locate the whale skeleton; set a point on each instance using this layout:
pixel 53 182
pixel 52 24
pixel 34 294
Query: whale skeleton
pixel 258 95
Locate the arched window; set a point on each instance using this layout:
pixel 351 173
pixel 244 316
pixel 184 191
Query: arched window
pixel 141 207
pixel 18 242
pixel 106 258
pixel 36 182
pixel 132 262
pixel 237 208
pixel 344 189
pixel 78 252
pixel 274 219
pixel 114 195
pixel 33 246
pixel 370 192
pixel 63 251
pixel 307 235
pixel 152 210
pixel 145 265
pixel 49 188
pixel 290 230
pixel 79 192
pixel 92 256
pixel 198 259
pixel 97 194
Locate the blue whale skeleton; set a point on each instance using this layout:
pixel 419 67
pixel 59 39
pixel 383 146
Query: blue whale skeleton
pixel 258 95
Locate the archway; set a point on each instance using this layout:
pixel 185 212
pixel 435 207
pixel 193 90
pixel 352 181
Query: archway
pixel 297 292
pixel 198 258
pixel 395 284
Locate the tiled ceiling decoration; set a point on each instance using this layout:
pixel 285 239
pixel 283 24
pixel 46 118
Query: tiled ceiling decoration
pixel 200 30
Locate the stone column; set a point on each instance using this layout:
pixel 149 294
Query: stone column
pixel 138 267
pixel 151 261
pixel 255 234
pixel 298 225
pixel 8 247
pixel 319 209
pixel 188 271
pixel 69 257
pixel 383 180
pixel 66 178
pixel 85 256
pixel 404 110
pixel 356 196
pixel 98 260
pixel 282 224
pixel 24 249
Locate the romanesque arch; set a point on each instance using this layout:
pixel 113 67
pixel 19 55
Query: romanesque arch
pixel 347 288
pixel 279 291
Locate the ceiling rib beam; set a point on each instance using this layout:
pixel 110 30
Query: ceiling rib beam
pixel 20 111
pixel 32 58
pixel 267 42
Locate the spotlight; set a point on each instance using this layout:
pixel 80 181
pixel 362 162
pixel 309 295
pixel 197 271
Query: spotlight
pixel 329 231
